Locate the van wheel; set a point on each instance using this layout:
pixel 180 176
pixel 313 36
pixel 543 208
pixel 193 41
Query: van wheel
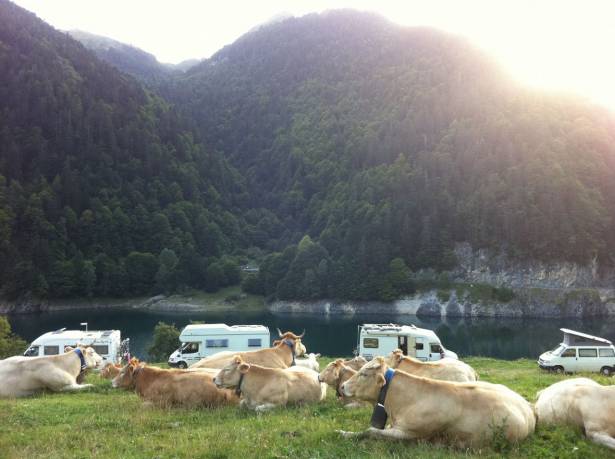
pixel 606 371
pixel 182 365
pixel 559 370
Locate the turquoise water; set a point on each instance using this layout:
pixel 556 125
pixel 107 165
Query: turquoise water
pixel 332 335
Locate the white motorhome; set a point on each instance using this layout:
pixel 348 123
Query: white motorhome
pixel 202 340
pixel 382 339
pixel 580 352
pixel 107 343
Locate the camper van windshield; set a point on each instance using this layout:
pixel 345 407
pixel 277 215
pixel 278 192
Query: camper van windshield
pixel 558 350
pixel 33 350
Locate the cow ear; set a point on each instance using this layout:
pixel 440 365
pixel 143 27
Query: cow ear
pixel 68 349
pixel 237 359
pixel 339 362
pixel 378 362
pixel 89 351
pixel 244 367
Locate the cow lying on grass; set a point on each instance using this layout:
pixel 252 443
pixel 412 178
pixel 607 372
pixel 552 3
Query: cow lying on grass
pixel 583 403
pixel 335 374
pixel 185 388
pixel 264 388
pixel 310 362
pixel 444 370
pixel 464 414
pixel 282 355
pixel 22 376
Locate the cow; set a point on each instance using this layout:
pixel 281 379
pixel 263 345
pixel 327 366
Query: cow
pixel 355 363
pixel 263 388
pixel 444 370
pixel 335 374
pixel 583 403
pixel 183 388
pixel 310 362
pixel 282 355
pixel 23 376
pixel 465 414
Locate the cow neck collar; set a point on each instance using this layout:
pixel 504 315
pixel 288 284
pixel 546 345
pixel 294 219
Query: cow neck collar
pixel 238 388
pixel 83 365
pixel 379 415
pixel 291 344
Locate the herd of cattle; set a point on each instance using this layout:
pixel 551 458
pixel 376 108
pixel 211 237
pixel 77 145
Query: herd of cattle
pixel 436 401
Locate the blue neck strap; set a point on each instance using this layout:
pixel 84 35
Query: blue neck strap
pixel 388 375
pixel 290 343
pixel 81 358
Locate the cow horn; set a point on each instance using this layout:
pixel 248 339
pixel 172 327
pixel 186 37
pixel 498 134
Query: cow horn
pixel 279 332
pixel 302 334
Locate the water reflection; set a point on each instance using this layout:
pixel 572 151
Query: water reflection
pixel 335 335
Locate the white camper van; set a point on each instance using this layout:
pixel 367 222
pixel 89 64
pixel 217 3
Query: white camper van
pixel 382 339
pixel 107 343
pixel 202 340
pixel 580 352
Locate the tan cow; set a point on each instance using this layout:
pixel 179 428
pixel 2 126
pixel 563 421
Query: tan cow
pixel 444 370
pixel 279 356
pixel 583 403
pixel 335 374
pixel 356 363
pixel 465 414
pixel 265 388
pixel 185 388
pixel 22 376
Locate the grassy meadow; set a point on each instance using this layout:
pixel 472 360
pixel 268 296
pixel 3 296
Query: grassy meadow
pixel 105 422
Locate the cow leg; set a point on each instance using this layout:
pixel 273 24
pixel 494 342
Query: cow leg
pixel 602 438
pixel 265 407
pixel 389 434
pixel 76 387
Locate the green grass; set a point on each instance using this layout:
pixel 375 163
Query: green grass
pixel 105 422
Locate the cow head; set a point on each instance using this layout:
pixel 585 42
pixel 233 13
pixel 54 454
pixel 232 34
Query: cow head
pixel 366 383
pixel 395 358
pixel 289 336
pixel 331 374
pixel 125 379
pixel 230 375
pixel 110 371
pixel 356 363
pixel 92 359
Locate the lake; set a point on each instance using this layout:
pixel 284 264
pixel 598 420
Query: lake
pixel 503 338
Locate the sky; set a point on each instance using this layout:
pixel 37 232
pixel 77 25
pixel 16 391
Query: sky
pixel 563 45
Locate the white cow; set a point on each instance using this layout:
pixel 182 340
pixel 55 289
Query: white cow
pixel 22 376
pixel 310 362
pixel 580 402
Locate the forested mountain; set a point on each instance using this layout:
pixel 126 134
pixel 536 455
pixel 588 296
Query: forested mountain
pixel 103 189
pixel 383 142
pixel 129 59
pixel 351 151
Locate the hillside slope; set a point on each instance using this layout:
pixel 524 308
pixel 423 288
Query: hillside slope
pixel 103 189
pixel 381 142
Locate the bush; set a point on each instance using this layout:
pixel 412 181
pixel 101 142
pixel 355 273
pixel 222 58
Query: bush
pixel 166 340
pixel 10 343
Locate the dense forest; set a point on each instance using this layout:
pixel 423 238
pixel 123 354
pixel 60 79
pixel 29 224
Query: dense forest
pixel 340 152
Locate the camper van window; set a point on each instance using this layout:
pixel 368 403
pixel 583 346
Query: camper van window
pixel 607 353
pixel 418 346
pixel 570 352
pixel 558 349
pixel 254 342
pixel 101 350
pixel 588 353
pixel 51 350
pixel 191 348
pixel 371 343
pixel 435 348
pixel 216 343
pixel 32 351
